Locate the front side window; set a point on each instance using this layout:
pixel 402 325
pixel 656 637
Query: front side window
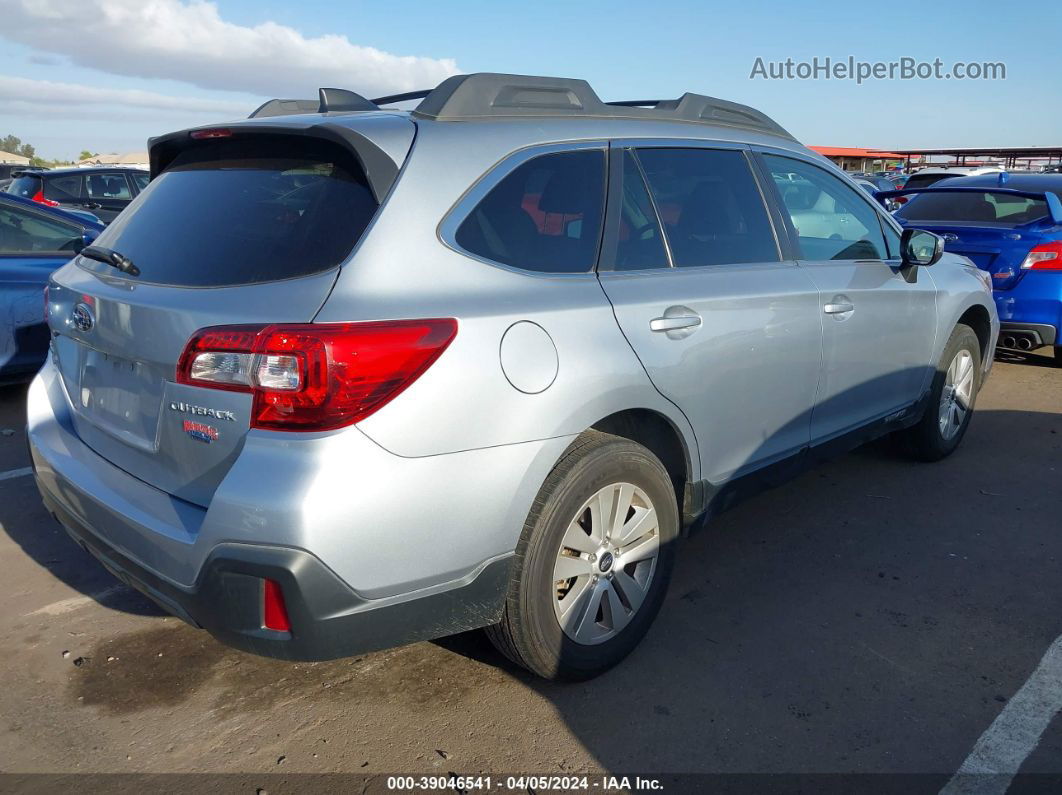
pixel 25 232
pixel 710 206
pixel 832 220
pixel 544 216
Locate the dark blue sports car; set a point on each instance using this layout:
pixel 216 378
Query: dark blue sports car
pixel 1011 226
pixel 34 241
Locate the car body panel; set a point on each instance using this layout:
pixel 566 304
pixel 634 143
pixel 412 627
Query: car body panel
pixel 23 276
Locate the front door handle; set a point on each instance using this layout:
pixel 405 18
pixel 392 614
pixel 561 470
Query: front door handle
pixel 838 308
pixel 677 322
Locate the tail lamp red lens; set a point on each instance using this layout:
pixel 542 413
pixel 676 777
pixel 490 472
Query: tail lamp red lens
pixel 274 611
pixel 39 198
pixel 1045 257
pixel 315 376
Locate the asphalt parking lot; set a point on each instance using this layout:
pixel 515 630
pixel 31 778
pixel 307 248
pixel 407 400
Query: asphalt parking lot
pixel 873 616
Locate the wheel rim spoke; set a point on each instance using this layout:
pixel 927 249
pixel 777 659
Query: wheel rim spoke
pixel 629 588
pixel 617 615
pixel 641 549
pixel 956 398
pixel 643 522
pixel 576 538
pixel 584 622
pixel 569 566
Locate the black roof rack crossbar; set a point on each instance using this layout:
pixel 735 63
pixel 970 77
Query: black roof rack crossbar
pixel 391 99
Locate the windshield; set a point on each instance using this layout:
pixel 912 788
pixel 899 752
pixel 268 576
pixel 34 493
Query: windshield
pixel 986 207
pixel 227 213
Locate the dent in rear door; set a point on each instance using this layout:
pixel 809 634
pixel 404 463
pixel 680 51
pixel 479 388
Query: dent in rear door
pixel 745 375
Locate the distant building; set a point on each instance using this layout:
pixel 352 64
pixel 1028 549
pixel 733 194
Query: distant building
pixel 853 159
pixel 130 159
pixel 11 159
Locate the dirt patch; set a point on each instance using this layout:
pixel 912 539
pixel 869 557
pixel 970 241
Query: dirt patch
pixel 166 665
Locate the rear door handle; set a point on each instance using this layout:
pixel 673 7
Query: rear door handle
pixel 838 309
pixel 673 323
pixel 677 322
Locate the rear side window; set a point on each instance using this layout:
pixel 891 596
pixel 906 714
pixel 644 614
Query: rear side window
pixel 710 206
pixel 243 211
pixel 107 186
pixel 639 241
pixel 987 207
pixel 544 216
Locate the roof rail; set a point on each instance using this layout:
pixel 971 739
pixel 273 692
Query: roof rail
pixel 487 95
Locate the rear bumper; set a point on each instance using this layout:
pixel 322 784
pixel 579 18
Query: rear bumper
pixel 1034 304
pixel 328 618
pixel 1038 334
pixel 370 549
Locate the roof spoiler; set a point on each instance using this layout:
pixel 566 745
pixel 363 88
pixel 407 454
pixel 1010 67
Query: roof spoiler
pixel 1054 205
pixel 488 95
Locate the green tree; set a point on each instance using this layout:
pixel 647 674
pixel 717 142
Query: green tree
pixel 86 154
pixel 14 145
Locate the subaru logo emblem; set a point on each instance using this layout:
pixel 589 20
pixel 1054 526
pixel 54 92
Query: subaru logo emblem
pixel 950 237
pixel 606 562
pixel 82 318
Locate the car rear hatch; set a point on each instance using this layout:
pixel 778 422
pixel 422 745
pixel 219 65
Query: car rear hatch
pixel 247 225
pixel 994 228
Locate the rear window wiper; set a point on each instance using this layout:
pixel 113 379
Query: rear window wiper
pixel 111 257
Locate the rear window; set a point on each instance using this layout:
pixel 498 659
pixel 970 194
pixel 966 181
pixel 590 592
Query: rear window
pixel 24 186
pixel 925 180
pixel 244 211
pixel 977 207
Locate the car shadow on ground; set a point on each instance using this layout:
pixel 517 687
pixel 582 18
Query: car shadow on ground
pixel 864 617
pixel 1038 358
pixel 26 522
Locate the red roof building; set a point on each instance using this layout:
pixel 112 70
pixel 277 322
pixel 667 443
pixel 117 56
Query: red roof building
pixel 852 158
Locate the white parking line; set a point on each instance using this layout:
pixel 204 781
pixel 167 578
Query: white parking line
pixel 76 602
pixel 1014 734
pixel 16 473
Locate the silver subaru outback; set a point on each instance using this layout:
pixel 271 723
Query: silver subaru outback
pixel 345 377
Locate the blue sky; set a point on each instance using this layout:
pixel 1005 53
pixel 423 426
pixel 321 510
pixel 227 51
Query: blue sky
pixel 106 74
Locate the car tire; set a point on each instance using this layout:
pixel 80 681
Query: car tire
pixel 575 627
pixel 951 399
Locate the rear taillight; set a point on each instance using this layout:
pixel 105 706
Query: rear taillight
pixel 316 376
pixel 39 197
pixel 274 611
pixel 1045 257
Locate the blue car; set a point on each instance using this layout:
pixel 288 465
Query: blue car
pixel 1011 226
pixel 34 241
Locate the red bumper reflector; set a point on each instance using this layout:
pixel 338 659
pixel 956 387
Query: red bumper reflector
pixel 274 611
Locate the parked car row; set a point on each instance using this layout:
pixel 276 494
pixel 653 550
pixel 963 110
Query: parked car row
pixel 104 192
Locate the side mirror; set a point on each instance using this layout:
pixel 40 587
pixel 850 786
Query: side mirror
pixel 919 247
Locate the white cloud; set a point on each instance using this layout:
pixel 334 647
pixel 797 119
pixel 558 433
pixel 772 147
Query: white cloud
pixel 190 42
pixel 45 96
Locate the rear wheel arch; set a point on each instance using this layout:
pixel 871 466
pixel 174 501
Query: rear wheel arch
pixel 658 434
